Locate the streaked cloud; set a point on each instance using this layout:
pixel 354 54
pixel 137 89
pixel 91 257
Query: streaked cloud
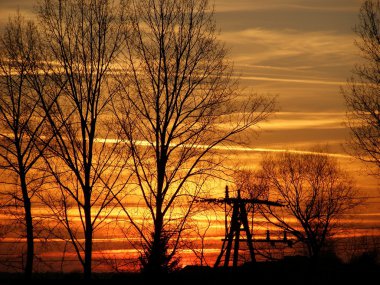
pixel 237 5
pixel 304 53
pixel 294 121
pixel 292 80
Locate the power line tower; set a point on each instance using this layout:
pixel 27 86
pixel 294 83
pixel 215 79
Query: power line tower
pixel 238 224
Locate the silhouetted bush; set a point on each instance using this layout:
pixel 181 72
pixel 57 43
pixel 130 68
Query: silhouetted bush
pixel 369 258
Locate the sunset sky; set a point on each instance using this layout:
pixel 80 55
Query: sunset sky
pixel 299 50
pixel 302 52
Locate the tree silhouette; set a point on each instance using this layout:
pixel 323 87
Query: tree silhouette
pixel 363 88
pixel 20 122
pixel 82 42
pixel 180 102
pixel 314 191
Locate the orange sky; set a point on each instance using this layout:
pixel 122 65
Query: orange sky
pixel 303 52
pixel 300 50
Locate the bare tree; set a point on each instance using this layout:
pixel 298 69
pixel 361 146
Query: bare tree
pixel 314 191
pixel 363 89
pixel 198 246
pixel 20 123
pixel 83 42
pixel 179 104
pixel 250 183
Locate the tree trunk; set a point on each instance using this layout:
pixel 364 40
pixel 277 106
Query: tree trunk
pixel 29 227
pixel 314 250
pixel 29 239
pixel 158 253
pixel 157 261
pixel 88 239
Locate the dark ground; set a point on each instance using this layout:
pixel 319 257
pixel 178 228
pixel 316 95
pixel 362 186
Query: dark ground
pixel 293 271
